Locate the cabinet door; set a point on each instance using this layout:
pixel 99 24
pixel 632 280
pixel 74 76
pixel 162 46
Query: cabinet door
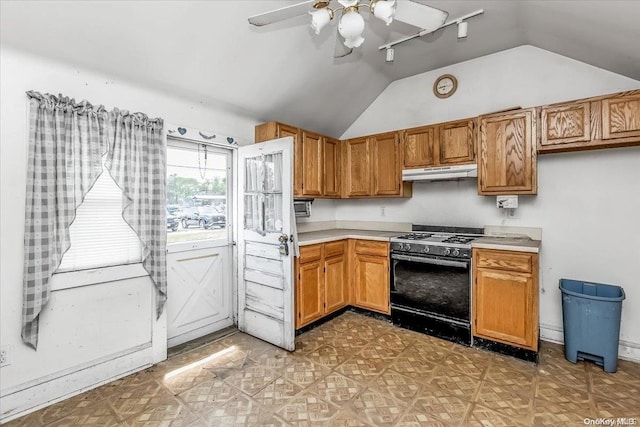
pixel 372 283
pixel 457 142
pixel 286 130
pixel 564 124
pixel 357 167
pixel 621 117
pixel 504 304
pixel 507 162
pixel 312 171
pixel 419 147
pixel 335 290
pixel 331 168
pixel 387 173
pixel 309 293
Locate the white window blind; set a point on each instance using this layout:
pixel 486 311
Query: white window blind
pixel 99 235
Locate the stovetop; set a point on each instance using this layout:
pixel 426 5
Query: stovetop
pixel 428 238
pixel 436 241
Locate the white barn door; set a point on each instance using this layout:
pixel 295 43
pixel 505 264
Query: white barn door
pixel 265 267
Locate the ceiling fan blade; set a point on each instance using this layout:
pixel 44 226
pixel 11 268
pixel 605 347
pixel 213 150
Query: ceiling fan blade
pixel 281 14
pixel 418 14
pixel 340 49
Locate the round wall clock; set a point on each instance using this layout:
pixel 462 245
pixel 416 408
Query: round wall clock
pixel 445 86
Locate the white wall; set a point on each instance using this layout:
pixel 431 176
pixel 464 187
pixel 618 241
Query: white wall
pixel 86 326
pixel 588 203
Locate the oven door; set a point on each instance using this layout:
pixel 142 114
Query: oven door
pixel 434 286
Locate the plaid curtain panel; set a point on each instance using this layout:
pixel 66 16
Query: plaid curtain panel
pixel 66 144
pixel 137 162
pixel 67 141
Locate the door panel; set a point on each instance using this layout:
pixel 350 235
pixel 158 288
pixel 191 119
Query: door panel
pixel 372 283
pixel 265 272
pixel 335 283
pixel 387 174
pixel 199 259
pixel 457 142
pixel 310 295
pixel 357 168
pixel 312 154
pixel 419 147
pixel 331 168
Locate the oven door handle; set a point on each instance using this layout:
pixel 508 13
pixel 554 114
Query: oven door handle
pixel 432 261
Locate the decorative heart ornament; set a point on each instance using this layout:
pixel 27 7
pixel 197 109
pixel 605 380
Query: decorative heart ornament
pixel 230 140
pixel 182 131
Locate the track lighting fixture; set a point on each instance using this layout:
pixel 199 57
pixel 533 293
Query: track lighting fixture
pixel 463 27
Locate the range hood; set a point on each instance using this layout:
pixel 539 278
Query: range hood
pixel 441 173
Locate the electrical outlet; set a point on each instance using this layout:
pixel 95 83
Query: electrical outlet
pixel 382 211
pixel 4 355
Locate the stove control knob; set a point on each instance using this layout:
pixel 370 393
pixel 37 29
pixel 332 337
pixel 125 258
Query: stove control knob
pixel 407 247
pixel 426 249
pixel 456 252
pixel 447 251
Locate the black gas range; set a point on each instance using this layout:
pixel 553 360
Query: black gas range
pixel 431 281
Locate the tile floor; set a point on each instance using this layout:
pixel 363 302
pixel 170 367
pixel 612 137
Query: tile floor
pixel 353 371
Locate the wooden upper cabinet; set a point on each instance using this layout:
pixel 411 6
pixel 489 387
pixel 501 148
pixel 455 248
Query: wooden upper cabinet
pixel 419 147
pixel 621 117
pixel 387 172
pixel 457 142
pixel 507 153
pixel 274 130
pixel 332 170
pixel 312 160
pixel 357 171
pixel 565 124
pixel 599 122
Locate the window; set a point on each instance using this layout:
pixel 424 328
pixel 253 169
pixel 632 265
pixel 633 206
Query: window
pixel 100 237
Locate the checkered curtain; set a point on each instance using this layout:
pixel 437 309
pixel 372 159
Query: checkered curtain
pixel 67 141
pixel 137 162
pixel 66 144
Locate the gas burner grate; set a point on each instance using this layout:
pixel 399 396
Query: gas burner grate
pixel 459 239
pixel 415 236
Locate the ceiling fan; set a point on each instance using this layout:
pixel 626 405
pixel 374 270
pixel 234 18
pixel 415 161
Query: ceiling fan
pixel 351 25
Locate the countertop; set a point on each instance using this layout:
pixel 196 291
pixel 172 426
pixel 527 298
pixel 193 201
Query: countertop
pixel 314 237
pixel 507 243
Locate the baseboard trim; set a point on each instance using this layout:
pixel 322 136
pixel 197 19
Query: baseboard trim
pixel 37 394
pixel 626 350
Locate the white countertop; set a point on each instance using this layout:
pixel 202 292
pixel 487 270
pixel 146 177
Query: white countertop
pixel 323 236
pixel 519 244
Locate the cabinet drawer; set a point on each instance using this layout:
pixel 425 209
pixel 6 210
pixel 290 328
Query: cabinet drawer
pixel 334 248
pixel 369 247
pixel 310 253
pixel 504 260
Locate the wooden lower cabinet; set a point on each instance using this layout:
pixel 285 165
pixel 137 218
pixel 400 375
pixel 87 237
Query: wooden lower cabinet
pixel 321 276
pixel 505 297
pixel 333 275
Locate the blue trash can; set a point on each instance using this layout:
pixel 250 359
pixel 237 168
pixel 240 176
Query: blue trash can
pixel 591 318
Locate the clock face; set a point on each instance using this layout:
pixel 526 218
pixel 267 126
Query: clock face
pixel 445 86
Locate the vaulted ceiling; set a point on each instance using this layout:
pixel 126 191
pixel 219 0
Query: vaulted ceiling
pixel 206 50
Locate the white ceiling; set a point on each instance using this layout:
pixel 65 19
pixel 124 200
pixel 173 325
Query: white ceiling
pixel 206 50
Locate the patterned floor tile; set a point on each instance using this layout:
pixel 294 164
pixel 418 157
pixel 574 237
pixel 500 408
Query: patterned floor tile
pixel 416 418
pixel 377 408
pixel 375 352
pixel 275 358
pixel 252 378
pixel 555 391
pixel 396 385
pixel 185 380
pixel 168 412
pixel 413 365
pixel 485 417
pixel 430 350
pixel 451 383
pixel 310 341
pixel 276 394
pixel 512 400
pixel 328 356
pixel 625 374
pixel 66 407
pixel 561 413
pixel 394 340
pixel 308 410
pixel 304 372
pixel 348 342
pixel 617 408
pixel 98 416
pixel 208 394
pixel 514 364
pixel 30 420
pixel 346 418
pixel 128 401
pixel 500 375
pixel 611 387
pixel 444 408
pixel 336 388
pixel 239 411
pixel 473 367
pixel 363 331
pixel 362 370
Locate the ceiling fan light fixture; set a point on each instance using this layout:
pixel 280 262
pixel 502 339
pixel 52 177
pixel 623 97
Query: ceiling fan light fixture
pixel 351 27
pixel 320 18
pixel 384 10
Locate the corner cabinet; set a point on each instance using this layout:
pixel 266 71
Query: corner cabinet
pixel 321 288
pixel 507 160
pixel 316 159
pixel 600 122
pixel 505 297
